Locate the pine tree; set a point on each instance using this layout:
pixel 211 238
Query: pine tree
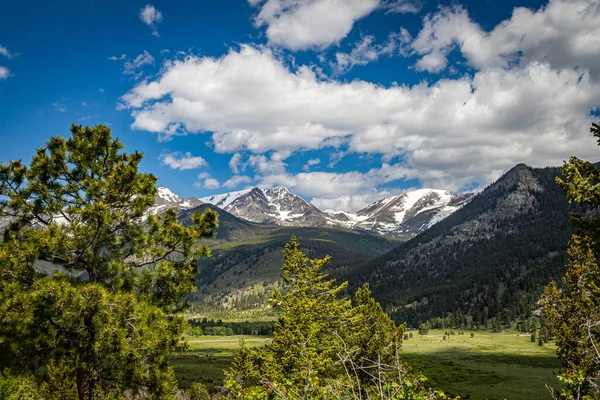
pixel 573 311
pixel 111 309
pixel 323 346
pixel 312 313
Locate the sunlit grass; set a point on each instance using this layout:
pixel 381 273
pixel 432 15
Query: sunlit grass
pixel 487 366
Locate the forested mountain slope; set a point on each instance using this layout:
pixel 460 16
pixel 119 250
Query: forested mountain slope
pixel 492 258
pixel 247 257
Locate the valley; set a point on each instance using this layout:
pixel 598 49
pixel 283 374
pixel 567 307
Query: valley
pixel 487 366
pixel 486 262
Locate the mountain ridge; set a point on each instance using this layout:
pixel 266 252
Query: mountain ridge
pixel 490 259
pixel 401 215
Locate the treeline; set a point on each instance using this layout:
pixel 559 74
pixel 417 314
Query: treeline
pixel 205 326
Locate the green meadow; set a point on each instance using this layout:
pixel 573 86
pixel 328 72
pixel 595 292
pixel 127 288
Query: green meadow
pixel 487 366
pixel 208 357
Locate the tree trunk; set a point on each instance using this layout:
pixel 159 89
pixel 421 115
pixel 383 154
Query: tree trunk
pixel 84 385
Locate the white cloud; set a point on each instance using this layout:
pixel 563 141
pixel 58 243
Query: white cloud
pixel 101 90
pixel 4 72
pixel 311 162
pixel 211 183
pixel 348 191
pixel 305 24
pixel 60 107
pixel 122 57
pixel 351 203
pixel 132 67
pixel 87 117
pixel 203 175
pixel 564 33
pixel 182 162
pixel 264 165
pixel 236 180
pixel 83 103
pixel 367 51
pixel 6 52
pixel 403 6
pixel 234 163
pixel 447 134
pixel 151 16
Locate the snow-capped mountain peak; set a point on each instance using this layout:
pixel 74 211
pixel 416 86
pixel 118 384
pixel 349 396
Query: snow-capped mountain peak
pixel 265 204
pixel 165 199
pixel 407 213
pixel 165 195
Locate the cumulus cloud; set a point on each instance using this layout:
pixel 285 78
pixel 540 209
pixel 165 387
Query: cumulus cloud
pixel 151 16
pixel 367 50
pixel 264 165
pixel 564 33
pixel 211 184
pixel 234 163
pixel 348 191
pixel 351 203
pixel 237 180
pixel 529 99
pixel 461 129
pixel 305 24
pixel 180 161
pixel 4 72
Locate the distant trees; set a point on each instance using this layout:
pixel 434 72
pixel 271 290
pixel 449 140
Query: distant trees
pixel 573 309
pixel 323 345
pixel 107 312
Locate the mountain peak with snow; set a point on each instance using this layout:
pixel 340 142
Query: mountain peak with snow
pixel 408 213
pixel 271 205
pixel 405 214
pixel 165 195
pixel 165 199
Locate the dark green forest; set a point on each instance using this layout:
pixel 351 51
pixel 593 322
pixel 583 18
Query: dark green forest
pixel 497 270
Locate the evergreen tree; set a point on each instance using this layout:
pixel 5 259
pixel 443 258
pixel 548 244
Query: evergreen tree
pixel 323 346
pixel 573 311
pixel 110 312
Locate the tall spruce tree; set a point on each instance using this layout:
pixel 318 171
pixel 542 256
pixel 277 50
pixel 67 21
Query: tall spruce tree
pixel 573 310
pixel 110 312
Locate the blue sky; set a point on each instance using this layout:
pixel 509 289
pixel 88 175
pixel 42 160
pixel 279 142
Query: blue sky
pixel 344 102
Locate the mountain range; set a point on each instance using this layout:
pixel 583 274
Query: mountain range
pixel 490 258
pixel 403 215
pixel 473 257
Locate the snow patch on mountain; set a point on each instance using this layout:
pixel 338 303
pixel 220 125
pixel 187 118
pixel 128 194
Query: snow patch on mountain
pixel 225 199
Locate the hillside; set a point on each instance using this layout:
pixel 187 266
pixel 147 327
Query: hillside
pixel 247 257
pixel 492 258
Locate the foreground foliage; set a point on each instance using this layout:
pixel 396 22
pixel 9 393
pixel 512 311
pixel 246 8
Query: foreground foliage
pixel 324 346
pixel 574 309
pixel 106 313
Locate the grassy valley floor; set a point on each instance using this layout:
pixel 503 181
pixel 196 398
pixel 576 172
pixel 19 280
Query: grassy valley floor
pixel 487 366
